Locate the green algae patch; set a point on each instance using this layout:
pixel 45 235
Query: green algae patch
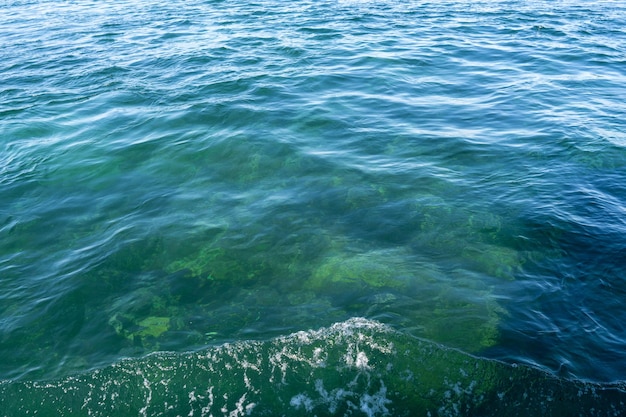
pixel 210 263
pixel 153 326
pixel 198 265
pixel 470 327
pixel 144 332
pixel 496 261
pixel 459 311
pixel 454 307
pixel 375 269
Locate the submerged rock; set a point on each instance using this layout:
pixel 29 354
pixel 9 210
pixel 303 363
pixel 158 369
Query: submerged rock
pixel 142 332
pixel 347 271
pixel 455 308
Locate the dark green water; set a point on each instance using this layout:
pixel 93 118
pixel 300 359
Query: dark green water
pixel 188 188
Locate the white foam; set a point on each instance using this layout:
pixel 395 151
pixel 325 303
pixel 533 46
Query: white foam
pixel 144 410
pixel 373 405
pixel 362 361
pixel 302 400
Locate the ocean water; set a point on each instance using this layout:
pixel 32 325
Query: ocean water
pixel 312 208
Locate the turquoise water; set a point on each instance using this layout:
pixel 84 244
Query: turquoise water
pixel 312 207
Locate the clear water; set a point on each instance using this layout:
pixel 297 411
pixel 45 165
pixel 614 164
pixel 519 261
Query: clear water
pixel 221 179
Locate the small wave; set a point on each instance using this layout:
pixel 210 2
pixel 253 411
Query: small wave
pixel 356 367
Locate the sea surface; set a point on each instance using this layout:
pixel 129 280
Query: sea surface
pixel 312 207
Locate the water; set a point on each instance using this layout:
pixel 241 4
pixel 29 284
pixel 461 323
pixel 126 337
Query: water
pixel 329 207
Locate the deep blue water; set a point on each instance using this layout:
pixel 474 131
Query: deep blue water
pixel 298 193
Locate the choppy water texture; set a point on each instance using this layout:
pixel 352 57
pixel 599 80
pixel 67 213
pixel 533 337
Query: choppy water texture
pixel 213 179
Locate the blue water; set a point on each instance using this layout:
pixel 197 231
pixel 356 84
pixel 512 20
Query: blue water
pixel 316 187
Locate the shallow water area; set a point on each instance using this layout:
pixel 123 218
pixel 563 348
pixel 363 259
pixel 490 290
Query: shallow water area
pixel 191 178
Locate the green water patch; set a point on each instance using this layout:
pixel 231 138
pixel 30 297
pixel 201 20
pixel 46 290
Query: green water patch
pixel 357 368
pixel 455 307
pixel 223 274
pixel 143 331
pixel 348 271
pixel 212 288
pixel 259 236
pixel 473 238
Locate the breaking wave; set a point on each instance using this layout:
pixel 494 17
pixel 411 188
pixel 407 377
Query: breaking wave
pixel 356 367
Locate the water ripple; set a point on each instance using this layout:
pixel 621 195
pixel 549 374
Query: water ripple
pixel 211 162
